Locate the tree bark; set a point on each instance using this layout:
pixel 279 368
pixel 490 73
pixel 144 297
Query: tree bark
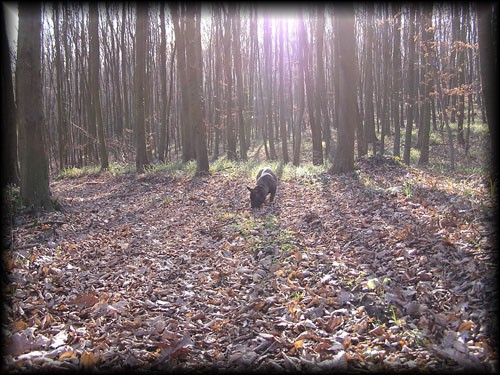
pixel 297 129
pixel 268 74
pixel 194 68
pixel 61 115
pixel 126 107
pixel 396 76
pixel 35 192
pixel 317 144
pixel 281 94
pixel 488 58
pixel 94 78
pixel 10 172
pixel 411 77
pixel 236 25
pixel 321 94
pixel 141 158
pixel 185 120
pixel 369 128
pixel 343 160
pixel 163 77
pixel 230 133
pixel 427 45
pixel 460 46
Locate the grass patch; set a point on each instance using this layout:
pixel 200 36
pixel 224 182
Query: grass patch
pixel 259 233
pixel 173 167
pixel 303 171
pixel 116 169
pixel 232 168
pixel 78 172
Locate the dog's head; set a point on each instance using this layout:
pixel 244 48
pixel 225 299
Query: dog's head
pixel 257 196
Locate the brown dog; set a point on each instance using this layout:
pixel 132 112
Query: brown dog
pixel 266 184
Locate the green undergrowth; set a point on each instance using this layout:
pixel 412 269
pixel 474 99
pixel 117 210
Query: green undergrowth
pixel 466 164
pixel 258 233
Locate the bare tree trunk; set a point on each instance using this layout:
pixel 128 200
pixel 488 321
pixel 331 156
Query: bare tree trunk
pixel 217 84
pixel 396 76
pixel 269 88
pixel 343 160
pixel 385 128
pixel 297 130
pixel 488 51
pixel 427 44
pixel 230 133
pixel 94 78
pixel 185 120
pixel 317 144
pixel 10 172
pixel 370 136
pixel 281 93
pixel 35 191
pixel 321 95
pixel 194 68
pixel 236 25
pixel 61 115
pixel 163 78
pixel 118 102
pixel 411 77
pixel 141 158
pixel 461 74
pixel 126 108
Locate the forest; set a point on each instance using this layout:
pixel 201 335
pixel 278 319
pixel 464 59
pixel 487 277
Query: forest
pixel 131 134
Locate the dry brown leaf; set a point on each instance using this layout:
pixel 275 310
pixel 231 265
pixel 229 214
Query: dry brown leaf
pixel 68 355
pixel 88 360
pixel 19 326
pixel 88 299
pixel 466 326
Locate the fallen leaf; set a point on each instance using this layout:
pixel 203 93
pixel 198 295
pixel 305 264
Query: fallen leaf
pixel 466 326
pixel 88 360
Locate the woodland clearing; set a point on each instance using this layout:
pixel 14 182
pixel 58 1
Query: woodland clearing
pixel 388 268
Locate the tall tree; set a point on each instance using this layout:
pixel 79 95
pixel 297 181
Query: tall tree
pixel 411 83
pixel 124 64
pixel 386 79
pixel 297 129
pixel 488 57
pixel 178 21
pixel 369 128
pixel 396 77
pixel 35 191
pixel 115 68
pixel 427 44
pixel 228 75
pixel 194 68
pixel 217 82
pixel 163 79
pixel 317 144
pixel 281 94
pixel 268 74
pixel 236 25
pixel 61 115
pixel 460 47
pixel 343 160
pixel 321 94
pixel 95 61
pixel 10 172
pixel 141 34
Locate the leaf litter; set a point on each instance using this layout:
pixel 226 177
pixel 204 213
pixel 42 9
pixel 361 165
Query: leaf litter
pixel 390 268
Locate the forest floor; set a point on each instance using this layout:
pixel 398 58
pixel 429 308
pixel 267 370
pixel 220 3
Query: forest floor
pixel 388 268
